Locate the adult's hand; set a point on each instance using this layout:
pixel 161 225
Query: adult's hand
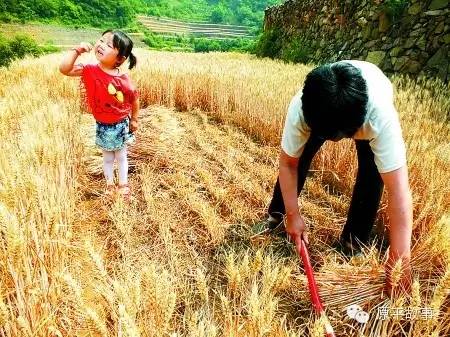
pixel 296 227
pixel 398 284
pixel 400 214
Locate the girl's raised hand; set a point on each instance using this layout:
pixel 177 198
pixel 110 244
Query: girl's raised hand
pixel 84 47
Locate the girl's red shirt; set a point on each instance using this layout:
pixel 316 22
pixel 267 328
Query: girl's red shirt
pixel 108 97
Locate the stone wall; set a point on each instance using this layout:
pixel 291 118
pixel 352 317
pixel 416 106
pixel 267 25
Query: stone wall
pixel 415 40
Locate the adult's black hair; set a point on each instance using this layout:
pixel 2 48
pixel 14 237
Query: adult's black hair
pixel 334 100
pixel 124 45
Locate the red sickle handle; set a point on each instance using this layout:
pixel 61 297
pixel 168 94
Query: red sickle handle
pixel 313 291
pixel 312 285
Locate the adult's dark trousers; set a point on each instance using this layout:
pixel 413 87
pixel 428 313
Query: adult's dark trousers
pixel 366 192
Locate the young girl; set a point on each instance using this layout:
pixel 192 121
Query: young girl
pixel 111 98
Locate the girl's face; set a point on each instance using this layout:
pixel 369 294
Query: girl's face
pixel 105 52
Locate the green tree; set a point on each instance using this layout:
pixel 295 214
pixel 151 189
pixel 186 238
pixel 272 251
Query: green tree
pixel 46 8
pixel 70 12
pixel 217 15
pixel 113 13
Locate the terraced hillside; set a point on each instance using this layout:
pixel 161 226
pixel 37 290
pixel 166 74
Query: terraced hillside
pixel 63 37
pixel 169 26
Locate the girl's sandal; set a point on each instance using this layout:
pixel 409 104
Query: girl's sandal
pixel 125 192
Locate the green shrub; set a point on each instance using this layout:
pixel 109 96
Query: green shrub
pixel 19 47
pixel 202 45
pixel 22 45
pixel 153 40
pixel 197 44
pixel 269 44
pixel 6 54
pixel 297 51
pixel 7 17
pixel 395 8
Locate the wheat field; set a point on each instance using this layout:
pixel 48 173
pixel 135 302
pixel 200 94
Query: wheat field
pixel 178 260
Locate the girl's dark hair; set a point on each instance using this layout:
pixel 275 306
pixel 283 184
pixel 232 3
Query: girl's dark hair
pixel 124 45
pixel 334 100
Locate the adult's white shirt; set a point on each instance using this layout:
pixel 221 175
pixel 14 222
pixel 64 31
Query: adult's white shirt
pixel 381 126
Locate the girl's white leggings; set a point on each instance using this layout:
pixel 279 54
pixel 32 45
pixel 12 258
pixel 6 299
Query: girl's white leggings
pixel 122 164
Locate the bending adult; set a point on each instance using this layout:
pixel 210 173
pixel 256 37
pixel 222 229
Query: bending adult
pixel 348 99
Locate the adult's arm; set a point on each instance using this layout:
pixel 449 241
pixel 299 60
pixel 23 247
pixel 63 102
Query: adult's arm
pixel 288 176
pixel 400 219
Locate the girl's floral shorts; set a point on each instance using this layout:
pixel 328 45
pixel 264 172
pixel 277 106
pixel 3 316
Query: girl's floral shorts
pixel 113 137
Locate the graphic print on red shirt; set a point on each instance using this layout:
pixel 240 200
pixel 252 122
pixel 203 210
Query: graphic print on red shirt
pixel 109 98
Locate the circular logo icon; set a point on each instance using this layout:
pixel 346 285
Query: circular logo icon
pixel 355 311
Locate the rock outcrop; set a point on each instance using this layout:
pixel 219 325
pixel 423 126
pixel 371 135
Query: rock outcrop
pixel 413 39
